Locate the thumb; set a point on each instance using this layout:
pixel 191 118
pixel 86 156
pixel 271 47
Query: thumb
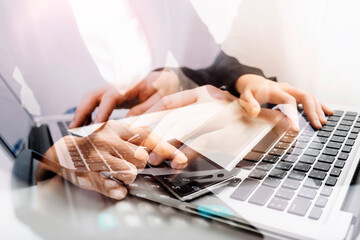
pixel 250 104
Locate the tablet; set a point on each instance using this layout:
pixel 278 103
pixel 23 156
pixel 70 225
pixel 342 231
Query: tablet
pixel 200 176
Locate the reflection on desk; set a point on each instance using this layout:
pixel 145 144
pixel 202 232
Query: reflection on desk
pixel 56 209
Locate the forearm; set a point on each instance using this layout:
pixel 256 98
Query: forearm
pixel 224 72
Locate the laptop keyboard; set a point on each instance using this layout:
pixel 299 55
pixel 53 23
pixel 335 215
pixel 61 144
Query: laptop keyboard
pixel 88 156
pixel 297 174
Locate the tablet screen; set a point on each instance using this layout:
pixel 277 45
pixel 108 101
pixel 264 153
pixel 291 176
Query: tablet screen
pixel 198 175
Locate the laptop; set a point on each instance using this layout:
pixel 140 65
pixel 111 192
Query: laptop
pixel 288 185
pixel 24 131
pixel 300 185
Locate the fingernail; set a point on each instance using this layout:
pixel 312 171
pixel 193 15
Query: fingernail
pixel 318 124
pixel 180 158
pixel 295 128
pixel 152 159
pixel 177 166
pixel 117 193
pixel 323 120
pixel 141 154
pixel 71 124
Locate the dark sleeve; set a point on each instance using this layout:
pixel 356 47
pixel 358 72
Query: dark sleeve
pixel 222 73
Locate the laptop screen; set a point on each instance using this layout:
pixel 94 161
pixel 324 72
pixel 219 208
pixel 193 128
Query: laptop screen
pixel 15 122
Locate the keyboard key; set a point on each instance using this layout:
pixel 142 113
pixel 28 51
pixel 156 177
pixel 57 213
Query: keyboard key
pixel 317 146
pixel 334 145
pixel 331 152
pixel 261 195
pixel 322 166
pixel 302 167
pixel 352 136
pixel 297 175
pixel 346 123
pixel 276 152
pixel 94 160
pixel 308 133
pixel 245 165
pixel 282 145
pixel 312 152
pixel 334 118
pixel 301 145
pixel 309 193
pixel 346 149
pixel 320 140
pixel 299 206
pixel 313 183
pixel 287 139
pixel 291 184
pixel 271 182
pixel 337 139
pixel 340 133
pixel 323 134
pixel 331 181
pixel 271 159
pixel 327 128
pixel 278 204
pixel 289 158
pixel 338 113
pixel 326 191
pixel 285 193
pixel 284 166
pixel 307 159
pixel 351 114
pixel 343 156
pixel 355 130
pixel 315 213
pixel 295 151
pixel 76 158
pixel 350 142
pixel 253 156
pixel 244 190
pixel 331 123
pixel 317 174
pixel 98 167
pixel 234 182
pixel 343 128
pixel 349 118
pixel 277 173
pixel 257 174
pixel 326 158
pixel 304 139
pixel 291 133
pixel 264 166
pixel 357 125
pixel 335 172
pixel 79 164
pixel 266 142
pixel 321 201
pixel 339 164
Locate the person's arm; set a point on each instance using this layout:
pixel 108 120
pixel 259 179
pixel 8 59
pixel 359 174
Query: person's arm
pixel 223 73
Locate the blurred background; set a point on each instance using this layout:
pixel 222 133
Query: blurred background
pixel 312 45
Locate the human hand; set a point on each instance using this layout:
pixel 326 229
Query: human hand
pixel 110 157
pixel 255 90
pixel 151 89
